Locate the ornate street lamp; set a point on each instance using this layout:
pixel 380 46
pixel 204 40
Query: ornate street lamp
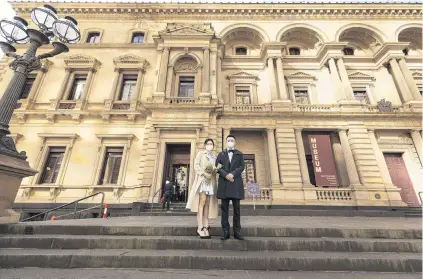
pixel 15 31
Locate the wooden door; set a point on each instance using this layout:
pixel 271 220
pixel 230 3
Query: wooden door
pixel 400 178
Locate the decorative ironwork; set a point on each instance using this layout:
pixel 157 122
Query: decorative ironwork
pixel 18 105
pixel 7 146
pixel 385 106
pixel 30 65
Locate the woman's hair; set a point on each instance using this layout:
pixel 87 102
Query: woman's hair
pixel 207 141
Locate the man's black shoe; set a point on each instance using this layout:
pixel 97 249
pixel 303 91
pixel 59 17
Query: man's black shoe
pixel 225 236
pixel 239 237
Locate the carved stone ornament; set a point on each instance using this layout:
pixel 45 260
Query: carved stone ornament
pixel 385 106
pixel 82 61
pixel 184 67
pixel 7 146
pixel 188 28
pixel 130 59
pixel 29 64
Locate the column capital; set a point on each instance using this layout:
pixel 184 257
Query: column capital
pixel 342 131
pixel 371 130
pixel 415 130
pixel 206 48
pixel 298 129
pixel 270 130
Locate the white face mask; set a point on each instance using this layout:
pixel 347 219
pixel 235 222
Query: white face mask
pixel 209 147
pixel 231 144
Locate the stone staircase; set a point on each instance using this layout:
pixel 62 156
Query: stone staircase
pixel 272 243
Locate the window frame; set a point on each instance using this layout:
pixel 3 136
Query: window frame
pixel 236 48
pixel 301 88
pixel 127 76
pixel 103 170
pixel 30 77
pixel 47 161
pixel 296 48
pixel 87 32
pixel 91 34
pixel 344 51
pixel 183 76
pixel 252 158
pixel 249 86
pixel 134 35
pixel 361 89
pixel 71 85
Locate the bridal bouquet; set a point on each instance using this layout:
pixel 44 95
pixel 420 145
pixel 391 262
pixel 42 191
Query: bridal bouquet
pixel 210 169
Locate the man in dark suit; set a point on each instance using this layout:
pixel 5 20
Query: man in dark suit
pixel 168 190
pixel 230 186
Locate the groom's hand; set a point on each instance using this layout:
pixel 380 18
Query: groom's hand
pixel 230 177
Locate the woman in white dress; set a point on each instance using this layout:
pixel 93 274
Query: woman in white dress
pixel 202 195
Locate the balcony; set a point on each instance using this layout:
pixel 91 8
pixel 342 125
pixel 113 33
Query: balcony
pixel 248 108
pixel 181 101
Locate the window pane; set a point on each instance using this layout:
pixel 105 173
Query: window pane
pixel 27 88
pixel 137 38
pixel 52 165
pixel 241 51
pixel 128 87
pixel 249 173
pixel 77 88
pixel 348 51
pixel 301 96
pixel 93 38
pixel 361 95
pixel 186 87
pixel 243 96
pixel 111 166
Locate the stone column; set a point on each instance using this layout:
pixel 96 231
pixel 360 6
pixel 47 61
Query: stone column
pixel 274 171
pixel 272 81
pixel 219 69
pixel 337 82
pixel 302 157
pixel 169 81
pixel 281 79
pixel 65 83
pixel 115 84
pixel 338 155
pixel 400 81
pixel 383 168
pixel 206 71
pixel 417 140
pixel 163 70
pixel 410 80
pixel 349 159
pixel 140 78
pixel 226 132
pixel 345 80
pixel 213 74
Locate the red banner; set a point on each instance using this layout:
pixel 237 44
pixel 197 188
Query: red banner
pixel 323 162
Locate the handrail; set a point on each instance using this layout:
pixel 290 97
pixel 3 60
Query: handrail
pixel 152 200
pixel 420 197
pixel 74 202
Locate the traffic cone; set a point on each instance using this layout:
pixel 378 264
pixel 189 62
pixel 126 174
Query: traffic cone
pixel 105 210
pixel 53 218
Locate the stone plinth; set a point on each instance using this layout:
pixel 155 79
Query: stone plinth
pixel 12 171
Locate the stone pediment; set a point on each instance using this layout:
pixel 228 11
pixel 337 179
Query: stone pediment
pixel 242 75
pixel 360 76
pixel 188 29
pixel 130 60
pixel 82 61
pixel 301 75
pixel 417 75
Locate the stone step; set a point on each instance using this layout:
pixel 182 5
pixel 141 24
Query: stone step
pixel 100 227
pixel 147 273
pixel 211 259
pixel 194 243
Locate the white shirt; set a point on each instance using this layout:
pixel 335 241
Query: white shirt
pixel 230 154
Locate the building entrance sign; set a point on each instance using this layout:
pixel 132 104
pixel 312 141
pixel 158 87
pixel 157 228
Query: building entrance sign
pixel 323 160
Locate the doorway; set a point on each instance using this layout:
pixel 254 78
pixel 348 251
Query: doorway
pixel 400 178
pixel 177 169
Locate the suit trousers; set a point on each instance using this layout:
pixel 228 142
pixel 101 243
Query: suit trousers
pixel 225 215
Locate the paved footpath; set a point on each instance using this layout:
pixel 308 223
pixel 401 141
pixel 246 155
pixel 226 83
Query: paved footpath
pixel 250 221
pixel 40 273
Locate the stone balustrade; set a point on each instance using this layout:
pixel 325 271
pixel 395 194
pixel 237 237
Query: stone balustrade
pixel 334 194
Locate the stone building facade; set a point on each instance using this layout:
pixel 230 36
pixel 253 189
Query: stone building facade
pixel 135 99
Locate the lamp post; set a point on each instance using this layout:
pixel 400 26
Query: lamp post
pixel 59 31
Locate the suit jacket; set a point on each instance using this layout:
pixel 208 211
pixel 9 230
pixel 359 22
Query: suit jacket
pixel 168 189
pixel 227 189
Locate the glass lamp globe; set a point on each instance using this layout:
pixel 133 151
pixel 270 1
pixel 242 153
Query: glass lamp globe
pixel 66 30
pixel 44 17
pixel 14 30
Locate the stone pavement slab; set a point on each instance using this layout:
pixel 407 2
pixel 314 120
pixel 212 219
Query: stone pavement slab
pixel 41 273
pixel 249 221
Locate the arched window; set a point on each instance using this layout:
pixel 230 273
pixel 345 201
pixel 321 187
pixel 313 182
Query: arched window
pixel 294 51
pixel 405 51
pixel 137 38
pixel 93 37
pixel 348 51
pixel 241 51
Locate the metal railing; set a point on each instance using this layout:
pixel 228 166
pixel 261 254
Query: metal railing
pixel 152 200
pixel 75 209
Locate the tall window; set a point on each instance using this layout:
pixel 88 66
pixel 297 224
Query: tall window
pixel 310 168
pixel 243 95
pixel 249 173
pixel 77 87
pixel 241 51
pixel 27 87
pixel 137 38
pixel 348 51
pixel 93 37
pixel 186 87
pixel 52 166
pixel 111 166
pixel 301 96
pixel 361 95
pixel 128 87
pixel 294 51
